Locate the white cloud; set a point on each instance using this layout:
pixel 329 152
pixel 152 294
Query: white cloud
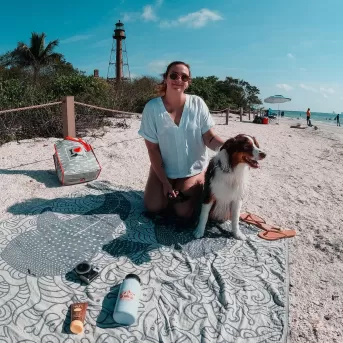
pixel 103 43
pixel 302 69
pixel 290 55
pixel 76 38
pixel 324 91
pixel 130 16
pixel 195 19
pixel 284 86
pixel 158 66
pixel 327 90
pixel 308 88
pixel 149 13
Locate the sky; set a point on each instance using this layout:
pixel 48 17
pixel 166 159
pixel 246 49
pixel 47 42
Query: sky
pixel 293 48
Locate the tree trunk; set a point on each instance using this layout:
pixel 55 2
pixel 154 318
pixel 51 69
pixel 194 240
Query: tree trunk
pixel 35 74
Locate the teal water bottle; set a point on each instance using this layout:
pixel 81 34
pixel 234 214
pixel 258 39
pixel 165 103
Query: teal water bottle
pixel 126 309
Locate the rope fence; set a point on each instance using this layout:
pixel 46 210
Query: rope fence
pixel 67 118
pixel 106 109
pixel 28 122
pixel 30 107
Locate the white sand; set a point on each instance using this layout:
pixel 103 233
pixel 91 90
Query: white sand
pixel 299 186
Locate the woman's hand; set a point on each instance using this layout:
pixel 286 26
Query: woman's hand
pixel 168 190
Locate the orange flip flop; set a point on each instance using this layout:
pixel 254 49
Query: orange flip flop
pixel 277 234
pixel 251 218
pixel 271 232
pixel 257 221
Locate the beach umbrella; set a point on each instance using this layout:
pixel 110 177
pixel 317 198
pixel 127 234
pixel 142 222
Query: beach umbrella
pixel 277 99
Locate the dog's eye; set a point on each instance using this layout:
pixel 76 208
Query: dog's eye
pixel 247 147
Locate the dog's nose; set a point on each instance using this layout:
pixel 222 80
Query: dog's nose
pixel 262 154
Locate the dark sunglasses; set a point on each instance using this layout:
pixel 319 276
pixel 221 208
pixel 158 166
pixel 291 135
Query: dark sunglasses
pixel 175 76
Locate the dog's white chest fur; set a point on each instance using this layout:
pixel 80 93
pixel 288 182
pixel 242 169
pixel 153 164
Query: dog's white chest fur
pixel 226 181
pixel 228 188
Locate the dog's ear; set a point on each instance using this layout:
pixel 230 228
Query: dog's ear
pixel 255 142
pixel 229 145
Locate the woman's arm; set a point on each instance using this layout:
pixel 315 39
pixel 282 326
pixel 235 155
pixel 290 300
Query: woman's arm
pixel 157 165
pixel 156 161
pixel 212 141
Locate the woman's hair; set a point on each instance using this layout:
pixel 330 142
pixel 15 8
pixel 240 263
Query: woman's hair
pixel 162 86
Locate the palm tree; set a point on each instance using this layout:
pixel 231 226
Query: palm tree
pixel 35 56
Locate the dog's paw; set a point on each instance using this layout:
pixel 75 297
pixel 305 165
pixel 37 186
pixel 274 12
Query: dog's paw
pixel 198 232
pixel 239 235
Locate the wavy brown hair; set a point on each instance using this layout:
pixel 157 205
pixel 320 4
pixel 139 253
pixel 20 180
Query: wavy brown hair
pixel 162 87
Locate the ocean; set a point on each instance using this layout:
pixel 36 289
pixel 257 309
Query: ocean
pixel 327 118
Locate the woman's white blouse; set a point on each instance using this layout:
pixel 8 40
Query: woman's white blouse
pixel 182 147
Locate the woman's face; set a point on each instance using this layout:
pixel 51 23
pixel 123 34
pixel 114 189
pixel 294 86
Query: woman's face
pixel 178 78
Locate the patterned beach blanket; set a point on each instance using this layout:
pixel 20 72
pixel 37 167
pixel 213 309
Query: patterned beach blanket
pixel 215 289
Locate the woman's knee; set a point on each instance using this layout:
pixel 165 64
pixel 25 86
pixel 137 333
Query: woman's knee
pixel 184 210
pixel 154 205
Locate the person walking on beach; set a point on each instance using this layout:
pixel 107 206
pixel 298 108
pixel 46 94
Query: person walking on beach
pixel 337 119
pixel 308 117
pixel 178 129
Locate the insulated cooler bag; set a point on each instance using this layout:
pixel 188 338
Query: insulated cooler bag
pixel 75 161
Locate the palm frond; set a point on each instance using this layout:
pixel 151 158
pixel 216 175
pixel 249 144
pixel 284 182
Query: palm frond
pixel 34 56
pixel 50 47
pixel 37 44
pixel 52 59
pixel 6 60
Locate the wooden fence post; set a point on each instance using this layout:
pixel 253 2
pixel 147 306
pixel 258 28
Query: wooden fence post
pixel 227 112
pixel 68 116
pixel 241 114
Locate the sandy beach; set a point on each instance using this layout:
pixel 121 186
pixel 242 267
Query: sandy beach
pixel 299 186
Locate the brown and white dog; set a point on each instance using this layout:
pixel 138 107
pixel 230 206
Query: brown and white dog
pixel 226 180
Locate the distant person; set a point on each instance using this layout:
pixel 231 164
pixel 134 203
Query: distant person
pixel 337 119
pixel 308 117
pixel 282 113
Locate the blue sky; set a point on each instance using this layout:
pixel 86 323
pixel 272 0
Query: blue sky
pixel 293 48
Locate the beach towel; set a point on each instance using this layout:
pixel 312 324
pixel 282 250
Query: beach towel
pixel 214 289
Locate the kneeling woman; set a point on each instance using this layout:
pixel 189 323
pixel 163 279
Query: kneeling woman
pixel 177 129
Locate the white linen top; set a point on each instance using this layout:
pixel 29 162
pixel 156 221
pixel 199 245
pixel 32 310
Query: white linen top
pixel 183 150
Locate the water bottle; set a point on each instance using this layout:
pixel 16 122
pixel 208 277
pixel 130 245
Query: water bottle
pixel 126 309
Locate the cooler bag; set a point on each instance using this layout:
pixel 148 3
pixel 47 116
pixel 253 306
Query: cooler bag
pixel 75 161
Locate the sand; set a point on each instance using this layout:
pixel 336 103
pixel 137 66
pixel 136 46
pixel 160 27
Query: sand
pixel 299 186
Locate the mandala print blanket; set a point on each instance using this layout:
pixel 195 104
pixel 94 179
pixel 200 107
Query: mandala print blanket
pixel 215 289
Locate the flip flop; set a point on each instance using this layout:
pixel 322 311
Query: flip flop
pixel 270 232
pixel 258 221
pixel 251 218
pixel 277 234
pixel 268 227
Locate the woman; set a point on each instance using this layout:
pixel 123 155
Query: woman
pixel 177 128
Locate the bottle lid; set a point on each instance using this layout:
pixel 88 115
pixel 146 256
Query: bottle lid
pixel 133 276
pixel 76 326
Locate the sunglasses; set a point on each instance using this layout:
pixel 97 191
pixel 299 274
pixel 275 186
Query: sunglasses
pixel 175 76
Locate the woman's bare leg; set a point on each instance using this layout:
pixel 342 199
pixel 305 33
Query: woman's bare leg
pixel 193 187
pixel 154 199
